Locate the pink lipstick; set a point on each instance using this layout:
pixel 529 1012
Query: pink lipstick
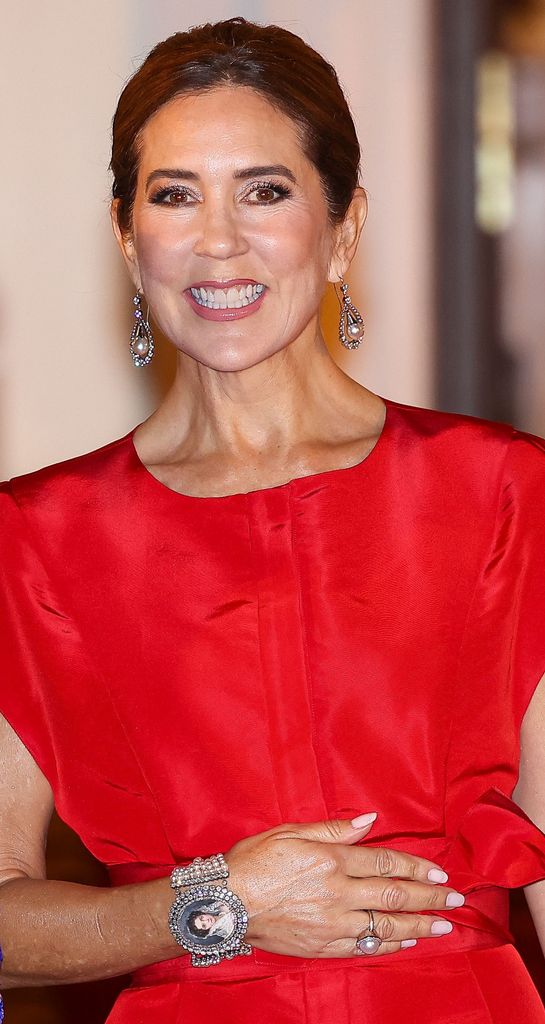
pixel 225 300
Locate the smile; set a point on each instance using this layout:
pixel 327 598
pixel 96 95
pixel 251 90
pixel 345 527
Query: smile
pixel 227 298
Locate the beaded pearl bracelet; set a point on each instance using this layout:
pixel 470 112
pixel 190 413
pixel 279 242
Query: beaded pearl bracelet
pixel 200 871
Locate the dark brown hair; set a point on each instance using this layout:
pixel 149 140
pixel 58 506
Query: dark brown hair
pixel 272 61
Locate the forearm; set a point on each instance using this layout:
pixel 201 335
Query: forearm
pixel 535 896
pixel 59 932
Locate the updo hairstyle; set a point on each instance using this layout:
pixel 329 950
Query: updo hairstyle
pixel 274 62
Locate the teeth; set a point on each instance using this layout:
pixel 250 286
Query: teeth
pixel 230 298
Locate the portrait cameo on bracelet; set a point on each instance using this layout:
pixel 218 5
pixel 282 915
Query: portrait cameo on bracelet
pixel 210 922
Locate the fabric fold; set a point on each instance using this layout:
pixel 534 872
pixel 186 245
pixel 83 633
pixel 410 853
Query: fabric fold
pixel 496 844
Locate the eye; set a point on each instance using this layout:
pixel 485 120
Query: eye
pixel 172 195
pixel 265 193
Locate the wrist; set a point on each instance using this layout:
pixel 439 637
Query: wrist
pixel 207 919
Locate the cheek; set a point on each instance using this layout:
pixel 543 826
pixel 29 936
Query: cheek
pixel 160 251
pixel 298 247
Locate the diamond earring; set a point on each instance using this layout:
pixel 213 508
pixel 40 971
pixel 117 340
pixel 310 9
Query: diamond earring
pixel 351 326
pixel 141 344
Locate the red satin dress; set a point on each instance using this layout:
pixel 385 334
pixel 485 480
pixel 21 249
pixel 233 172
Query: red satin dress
pixel 189 671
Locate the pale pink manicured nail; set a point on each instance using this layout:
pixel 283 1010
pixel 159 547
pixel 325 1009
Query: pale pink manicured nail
pixel 436 875
pixel 407 942
pixel 455 899
pixel 441 928
pixel 363 820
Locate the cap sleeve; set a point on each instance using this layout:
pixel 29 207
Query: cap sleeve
pixel 30 629
pixel 521 537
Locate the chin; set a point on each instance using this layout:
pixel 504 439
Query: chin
pixel 233 358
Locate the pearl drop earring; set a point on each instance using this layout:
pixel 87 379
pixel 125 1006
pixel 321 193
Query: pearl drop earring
pixel 141 344
pixel 351 325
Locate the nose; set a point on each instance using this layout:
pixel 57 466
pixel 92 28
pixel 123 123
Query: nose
pixel 219 235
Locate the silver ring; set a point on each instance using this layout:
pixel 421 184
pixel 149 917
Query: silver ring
pixel 368 942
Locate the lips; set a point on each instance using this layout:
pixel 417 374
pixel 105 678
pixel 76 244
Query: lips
pixel 225 300
pixel 224 284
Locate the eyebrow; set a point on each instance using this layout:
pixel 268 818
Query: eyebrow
pixel 247 172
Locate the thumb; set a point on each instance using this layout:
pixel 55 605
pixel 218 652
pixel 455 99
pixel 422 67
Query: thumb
pixel 336 830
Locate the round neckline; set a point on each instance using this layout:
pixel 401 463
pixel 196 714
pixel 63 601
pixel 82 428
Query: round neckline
pixel 322 475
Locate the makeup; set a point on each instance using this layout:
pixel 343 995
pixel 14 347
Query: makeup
pixel 225 300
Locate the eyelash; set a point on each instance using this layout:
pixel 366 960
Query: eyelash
pixel 283 193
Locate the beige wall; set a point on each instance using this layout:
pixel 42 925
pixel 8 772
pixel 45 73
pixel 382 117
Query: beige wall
pixel 67 383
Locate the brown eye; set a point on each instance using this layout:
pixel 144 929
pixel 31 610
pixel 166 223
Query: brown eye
pixel 171 197
pixel 177 198
pixel 265 195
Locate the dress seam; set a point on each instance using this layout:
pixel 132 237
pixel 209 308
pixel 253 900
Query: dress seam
pixel 280 809
pixel 303 614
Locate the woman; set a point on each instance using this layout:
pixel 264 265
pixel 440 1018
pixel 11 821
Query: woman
pixel 338 598
pixel 213 919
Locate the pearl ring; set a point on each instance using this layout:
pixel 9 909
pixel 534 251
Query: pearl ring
pixel 368 942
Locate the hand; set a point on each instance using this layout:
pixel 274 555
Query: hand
pixel 305 886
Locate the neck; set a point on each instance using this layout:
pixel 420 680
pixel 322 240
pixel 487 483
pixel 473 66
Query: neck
pixel 298 396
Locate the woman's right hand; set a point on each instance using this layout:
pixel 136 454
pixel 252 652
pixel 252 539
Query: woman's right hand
pixel 306 889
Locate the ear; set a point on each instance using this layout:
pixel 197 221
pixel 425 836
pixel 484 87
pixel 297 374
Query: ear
pixel 348 235
pixel 126 244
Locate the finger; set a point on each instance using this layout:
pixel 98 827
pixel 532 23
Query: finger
pixel 383 950
pixel 347 948
pixel 398 927
pixel 394 895
pixel 361 861
pixel 333 830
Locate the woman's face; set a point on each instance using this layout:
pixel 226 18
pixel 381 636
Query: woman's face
pixel 231 241
pixel 205 921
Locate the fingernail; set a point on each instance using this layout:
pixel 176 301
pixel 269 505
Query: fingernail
pixel 405 943
pixel 436 875
pixel 441 928
pixel 455 899
pixel 363 820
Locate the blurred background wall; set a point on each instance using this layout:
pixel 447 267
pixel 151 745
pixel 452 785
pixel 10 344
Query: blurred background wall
pixel 449 103
pixel 490 209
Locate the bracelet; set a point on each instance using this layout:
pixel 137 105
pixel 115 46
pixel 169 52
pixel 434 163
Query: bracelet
pixel 209 921
pixel 200 871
